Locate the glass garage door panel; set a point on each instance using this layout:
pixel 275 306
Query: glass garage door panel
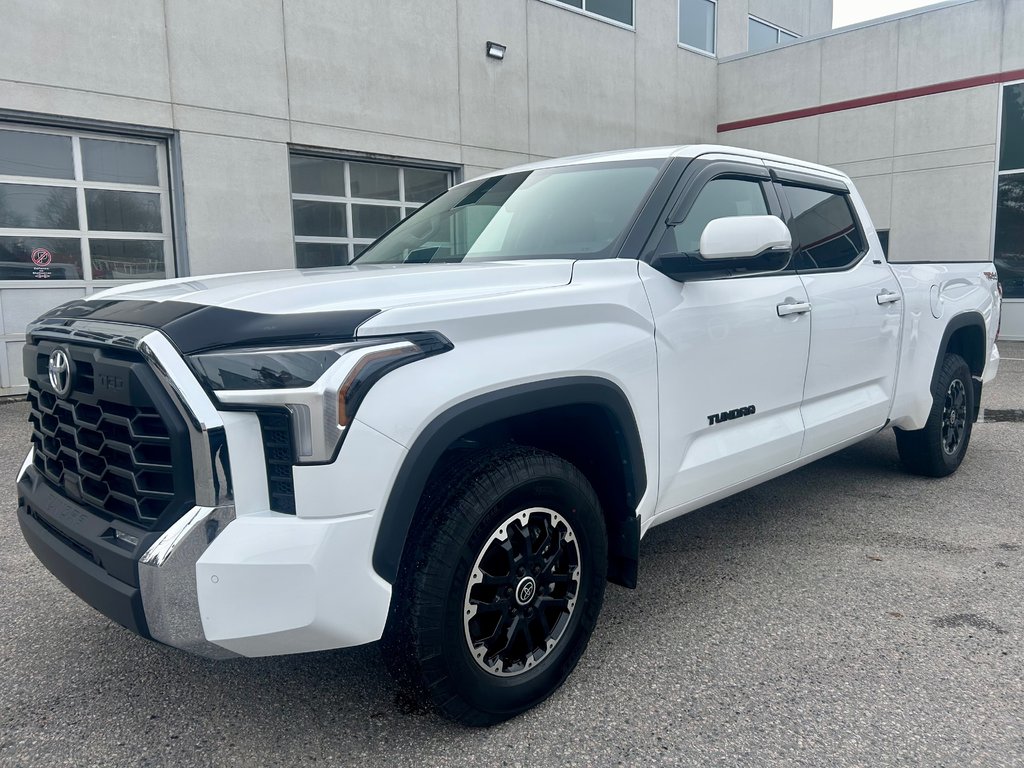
pixel 36 206
pixel 378 182
pixel 117 211
pixel 341 206
pixel 77 212
pixel 311 255
pixel 120 162
pixel 318 176
pixel 43 155
pixel 317 219
pixel 127 259
pixel 40 258
pixel 423 185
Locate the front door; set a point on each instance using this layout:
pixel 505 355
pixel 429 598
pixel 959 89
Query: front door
pixel 732 352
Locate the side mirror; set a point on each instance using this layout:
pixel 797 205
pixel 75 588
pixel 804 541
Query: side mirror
pixel 744 237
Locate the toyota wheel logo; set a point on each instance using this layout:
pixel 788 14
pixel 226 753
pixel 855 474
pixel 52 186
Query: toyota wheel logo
pixel 60 372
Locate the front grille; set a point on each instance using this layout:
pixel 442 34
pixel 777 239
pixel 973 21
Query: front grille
pixel 278 452
pixel 111 444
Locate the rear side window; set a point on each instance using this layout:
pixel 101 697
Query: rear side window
pixel 824 229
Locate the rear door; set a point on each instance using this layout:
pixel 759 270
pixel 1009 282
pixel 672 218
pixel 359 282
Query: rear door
pixel 731 363
pixel 855 315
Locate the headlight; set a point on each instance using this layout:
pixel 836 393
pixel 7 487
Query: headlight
pixel 320 387
pixel 267 368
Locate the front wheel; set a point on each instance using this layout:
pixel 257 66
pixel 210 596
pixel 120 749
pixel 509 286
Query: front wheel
pixel 500 595
pixel 939 447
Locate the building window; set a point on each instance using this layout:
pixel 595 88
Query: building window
pixel 620 11
pixel 763 34
pixel 341 206
pixel 77 206
pixel 1009 236
pixel 697 23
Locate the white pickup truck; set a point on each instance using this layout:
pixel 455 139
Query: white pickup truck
pixel 454 443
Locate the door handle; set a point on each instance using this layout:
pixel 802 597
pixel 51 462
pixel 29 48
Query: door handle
pixel 793 308
pixel 887 297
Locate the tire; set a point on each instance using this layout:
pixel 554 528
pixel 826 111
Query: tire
pixel 939 448
pixel 460 594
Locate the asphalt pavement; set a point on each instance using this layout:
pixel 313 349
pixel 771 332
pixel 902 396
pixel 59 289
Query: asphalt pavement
pixel 846 614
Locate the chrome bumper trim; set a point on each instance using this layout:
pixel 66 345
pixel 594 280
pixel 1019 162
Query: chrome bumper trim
pixel 167 571
pixel 167 578
pixel 26 464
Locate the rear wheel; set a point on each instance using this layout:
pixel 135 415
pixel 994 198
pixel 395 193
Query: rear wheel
pixel 497 600
pixel 939 447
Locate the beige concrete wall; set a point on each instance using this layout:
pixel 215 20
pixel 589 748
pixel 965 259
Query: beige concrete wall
pixel 243 79
pixel 926 165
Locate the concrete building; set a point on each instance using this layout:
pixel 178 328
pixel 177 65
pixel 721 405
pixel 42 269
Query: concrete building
pixel 192 137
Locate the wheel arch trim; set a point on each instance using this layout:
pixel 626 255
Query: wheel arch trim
pixel 491 408
pixel 957 323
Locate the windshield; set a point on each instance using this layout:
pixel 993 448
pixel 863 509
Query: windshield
pixel 575 211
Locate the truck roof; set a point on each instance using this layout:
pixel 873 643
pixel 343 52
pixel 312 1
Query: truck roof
pixel 656 153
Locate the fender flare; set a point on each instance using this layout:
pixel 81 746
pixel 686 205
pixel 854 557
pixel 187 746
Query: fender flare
pixel 957 322
pixel 968 319
pixel 489 408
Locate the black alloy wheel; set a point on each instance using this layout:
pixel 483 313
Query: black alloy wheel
pixel 954 416
pixel 522 591
pixel 500 587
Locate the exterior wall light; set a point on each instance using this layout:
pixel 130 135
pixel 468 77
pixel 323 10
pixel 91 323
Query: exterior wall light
pixel 495 50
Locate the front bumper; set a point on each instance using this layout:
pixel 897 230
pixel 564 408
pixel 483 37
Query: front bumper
pixel 88 573
pixel 229 577
pixel 144 581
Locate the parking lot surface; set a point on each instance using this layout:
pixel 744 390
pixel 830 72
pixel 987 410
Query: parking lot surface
pixel 845 614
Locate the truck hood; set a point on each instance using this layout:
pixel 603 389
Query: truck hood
pixel 299 306
pixel 358 287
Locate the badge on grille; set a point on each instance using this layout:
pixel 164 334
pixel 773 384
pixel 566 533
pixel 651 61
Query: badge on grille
pixel 60 372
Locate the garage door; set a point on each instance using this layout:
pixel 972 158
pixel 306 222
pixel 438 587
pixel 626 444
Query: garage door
pixel 79 212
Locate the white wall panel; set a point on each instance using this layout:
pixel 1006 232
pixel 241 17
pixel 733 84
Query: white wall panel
pixel 769 83
pixel 942 215
pixel 239 207
pixel 492 93
pixel 103 46
pixel 793 138
pixel 388 67
pixel 579 68
pixel 965 118
pixel 228 54
pixel 877 194
pixel 857 134
pixel 950 43
pixel 1013 36
pixel 862 62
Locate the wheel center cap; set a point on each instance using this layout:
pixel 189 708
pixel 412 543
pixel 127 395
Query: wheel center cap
pixel 525 590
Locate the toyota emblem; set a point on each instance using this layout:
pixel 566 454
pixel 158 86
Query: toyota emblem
pixel 60 372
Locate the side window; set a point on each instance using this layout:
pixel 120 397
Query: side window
pixel 720 198
pixel 824 229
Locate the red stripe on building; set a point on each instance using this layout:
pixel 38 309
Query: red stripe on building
pixel 869 101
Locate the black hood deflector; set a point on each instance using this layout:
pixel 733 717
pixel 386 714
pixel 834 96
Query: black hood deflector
pixel 197 327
